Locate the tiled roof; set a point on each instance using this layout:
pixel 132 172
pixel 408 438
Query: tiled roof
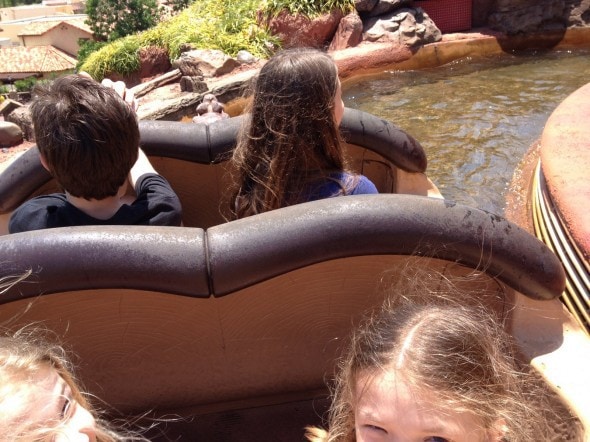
pixel 41 59
pixel 40 28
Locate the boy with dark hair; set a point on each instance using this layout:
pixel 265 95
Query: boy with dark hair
pixel 88 139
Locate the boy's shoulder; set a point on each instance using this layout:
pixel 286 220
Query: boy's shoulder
pixel 35 213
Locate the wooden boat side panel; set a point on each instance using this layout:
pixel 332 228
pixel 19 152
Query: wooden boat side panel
pixel 142 350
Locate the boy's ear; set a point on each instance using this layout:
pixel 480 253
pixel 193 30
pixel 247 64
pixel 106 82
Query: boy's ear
pixel 44 161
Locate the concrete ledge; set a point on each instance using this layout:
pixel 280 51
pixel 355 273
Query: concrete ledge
pixel 565 161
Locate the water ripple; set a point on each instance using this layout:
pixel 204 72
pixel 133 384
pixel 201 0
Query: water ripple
pixel 477 117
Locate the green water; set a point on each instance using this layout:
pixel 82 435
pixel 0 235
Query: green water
pixel 475 118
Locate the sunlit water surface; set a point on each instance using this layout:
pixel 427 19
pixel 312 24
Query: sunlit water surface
pixel 475 118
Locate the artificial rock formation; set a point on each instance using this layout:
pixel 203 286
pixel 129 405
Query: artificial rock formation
pixel 22 118
pixel 204 62
pixel 10 134
pixel 299 30
pixel 406 26
pixel 530 16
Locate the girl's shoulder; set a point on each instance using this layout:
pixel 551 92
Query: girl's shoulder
pixel 357 184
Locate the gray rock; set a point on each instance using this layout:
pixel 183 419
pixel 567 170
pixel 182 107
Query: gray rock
pixel 387 6
pixel 10 134
pixel 8 105
pixel 407 26
pixel 193 84
pixel 246 57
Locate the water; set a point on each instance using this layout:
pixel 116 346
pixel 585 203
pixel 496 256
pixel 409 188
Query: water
pixel 475 118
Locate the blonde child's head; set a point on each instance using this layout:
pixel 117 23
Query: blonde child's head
pixel 428 371
pixel 40 400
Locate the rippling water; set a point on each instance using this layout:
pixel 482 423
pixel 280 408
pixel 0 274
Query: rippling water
pixel 476 118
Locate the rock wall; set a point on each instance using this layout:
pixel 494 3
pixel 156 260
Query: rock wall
pixel 530 16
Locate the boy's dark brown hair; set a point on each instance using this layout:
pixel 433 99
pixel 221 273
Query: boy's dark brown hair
pixel 87 135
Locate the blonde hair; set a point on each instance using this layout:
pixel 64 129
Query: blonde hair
pixel 460 353
pixel 23 355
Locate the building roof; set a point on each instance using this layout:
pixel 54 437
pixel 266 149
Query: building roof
pixel 41 27
pixel 35 59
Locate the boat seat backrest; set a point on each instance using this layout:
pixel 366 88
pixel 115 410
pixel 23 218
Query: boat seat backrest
pixel 193 157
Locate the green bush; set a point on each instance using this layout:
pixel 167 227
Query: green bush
pixel 26 84
pixel 121 56
pixel 87 47
pixel 310 8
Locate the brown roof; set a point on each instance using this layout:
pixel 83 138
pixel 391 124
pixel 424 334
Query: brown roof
pixel 35 59
pixel 41 27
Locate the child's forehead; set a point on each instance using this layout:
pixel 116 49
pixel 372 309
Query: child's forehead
pixel 32 392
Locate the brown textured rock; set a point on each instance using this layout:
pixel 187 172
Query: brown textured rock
pixel 205 62
pixel 528 16
pixel 153 61
pixel 8 105
pixel 299 30
pixel 365 5
pixel 349 33
pixel 22 118
pixel 193 84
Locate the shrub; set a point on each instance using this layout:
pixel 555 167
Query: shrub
pixel 310 8
pixel 121 56
pixel 26 84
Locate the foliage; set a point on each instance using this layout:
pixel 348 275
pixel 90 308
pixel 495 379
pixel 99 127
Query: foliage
pixel 26 84
pixel 87 47
pixel 227 25
pixel 180 5
pixel 113 19
pixel 310 8
pixel 121 56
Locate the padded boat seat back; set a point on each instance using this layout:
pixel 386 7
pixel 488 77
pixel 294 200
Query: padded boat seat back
pixel 193 158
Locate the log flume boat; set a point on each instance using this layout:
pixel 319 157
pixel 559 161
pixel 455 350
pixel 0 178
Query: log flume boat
pixel 234 327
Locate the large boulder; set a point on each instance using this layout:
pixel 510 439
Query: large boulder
pixel 205 62
pixel 406 26
pixel 22 118
pixel 525 16
pixel 296 30
pixel 349 33
pixel 153 61
pixel 10 134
